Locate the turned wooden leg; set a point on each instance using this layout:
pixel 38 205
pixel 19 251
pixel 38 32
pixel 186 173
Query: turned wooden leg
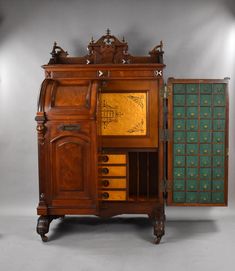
pixel 43 226
pixel 158 219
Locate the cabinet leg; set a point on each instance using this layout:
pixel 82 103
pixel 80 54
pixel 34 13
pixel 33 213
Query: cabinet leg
pixel 158 219
pixel 43 226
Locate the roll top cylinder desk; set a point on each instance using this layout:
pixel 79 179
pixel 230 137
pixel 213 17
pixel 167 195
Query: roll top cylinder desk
pixel 114 139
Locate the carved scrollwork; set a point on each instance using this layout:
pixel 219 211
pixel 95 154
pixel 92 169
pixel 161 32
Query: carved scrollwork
pixel 41 128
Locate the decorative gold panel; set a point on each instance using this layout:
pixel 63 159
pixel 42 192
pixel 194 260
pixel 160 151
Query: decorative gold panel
pixel 123 114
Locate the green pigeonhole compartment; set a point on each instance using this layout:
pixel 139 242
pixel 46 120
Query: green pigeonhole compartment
pixel 179 185
pixel 205 100
pixel 179 124
pixel 192 100
pixel 205 161
pixel 179 137
pixel 179 100
pixel 206 88
pixel 205 185
pixel 179 161
pixel 192 161
pixel 205 137
pixel 205 173
pixel 192 112
pixel 205 149
pixel 179 149
pixel 192 185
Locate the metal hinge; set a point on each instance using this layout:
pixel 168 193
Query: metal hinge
pixel 165 91
pixel 164 135
pixel 166 187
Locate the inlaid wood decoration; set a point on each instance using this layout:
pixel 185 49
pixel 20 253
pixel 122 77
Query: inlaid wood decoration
pixel 123 114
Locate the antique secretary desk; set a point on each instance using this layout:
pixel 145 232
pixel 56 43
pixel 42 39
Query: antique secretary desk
pixel 113 139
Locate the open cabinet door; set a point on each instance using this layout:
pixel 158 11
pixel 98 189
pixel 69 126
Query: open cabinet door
pixel 197 149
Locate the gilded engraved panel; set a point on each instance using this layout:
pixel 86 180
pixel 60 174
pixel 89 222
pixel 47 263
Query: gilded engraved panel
pixel 123 114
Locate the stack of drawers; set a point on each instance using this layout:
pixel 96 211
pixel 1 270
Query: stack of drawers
pixel 113 176
pixel 199 112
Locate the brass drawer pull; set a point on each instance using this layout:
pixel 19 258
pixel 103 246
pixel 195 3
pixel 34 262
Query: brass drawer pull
pixel 105 183
pixel 105 170
pixel 70 127
pixel 104 158
pixel 105 195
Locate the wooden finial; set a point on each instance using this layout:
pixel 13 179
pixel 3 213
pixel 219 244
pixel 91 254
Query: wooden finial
pixel 108 32
pixel 123 39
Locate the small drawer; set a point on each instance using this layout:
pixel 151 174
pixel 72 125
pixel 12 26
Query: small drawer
pixel 179 161
pixel 205 125
pixel 205 185
pixel 192 173
pixel 205 197
pixel 205 137
pixel 179 100
pixel 179 197
pixel 179 185
pixel 192 112
pixel 205 112
pixel 219 88
pixel 179 112
pixel 113 195
pixel 192 149
pixel 179 88
pixel 206 88
pixel 205 149
pixel 179 149
pixel 192 125
pixel 179 137
pixel 192 137
pixel 192 161
pixel 191 197
pixel 192 88
pixel 219 100
pixel 112 159
pixel 192 100
pixel 218 137
pixel 205 173
pixel 218 173
pixel 219 125
pixel 192 185
pixel 205 161
pixel 179 173
pixel 218 149
pixel 218 185
pixel 219 113
pixel 113 183
pixel 179 124
pixel 205 100
pixel 218 161
pixel 218 197
pixel 112 171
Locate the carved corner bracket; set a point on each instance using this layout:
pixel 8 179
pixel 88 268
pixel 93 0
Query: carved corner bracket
pixel 41 128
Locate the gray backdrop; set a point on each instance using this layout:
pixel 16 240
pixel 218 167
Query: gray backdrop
pixel 199 42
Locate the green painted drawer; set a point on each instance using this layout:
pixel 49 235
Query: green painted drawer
pixel 205 161
pixel 179 149
pixel 205 88
pixel 219 112
pixel 179 88
pixel 218 161
pixel 192 100
pixel 218 137
pixel 218 173
pixel 179 185
pixel 179 137
pixel 205 100
pixel 219 125
pixel 192 161
pixel 179 112
pixel 205 112
pixel 192 149
pixel 205 185
pixel 205 125
pixel 205 137
pixel 205 149
pixel 192 137
pixel 192 112
pixel 218 149
pixel 192 125
pixel 179 197
pixel 192 185
pixel 205 197
pixel 179 161
pixel 179 100
pixel 218 185
pixel 192 173
pixel 205 173
pixel 179 124
pixel 218 197
pixel 192 88
pixel 179 173
pixel 219 100
pixel 219 88
pixel 191 197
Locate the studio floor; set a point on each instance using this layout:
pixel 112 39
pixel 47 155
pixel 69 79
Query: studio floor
pixel 120 243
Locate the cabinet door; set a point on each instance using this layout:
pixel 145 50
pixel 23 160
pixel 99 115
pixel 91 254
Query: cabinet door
pixel 197 165
pixel 73 161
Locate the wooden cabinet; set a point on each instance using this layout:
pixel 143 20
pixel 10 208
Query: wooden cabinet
pixel 113 139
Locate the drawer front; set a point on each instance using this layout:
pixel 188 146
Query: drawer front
pixel 179 112
pixel 179 161
pixel 219 113
pixel 205 88
pixel 205 161
pixel 112 171
pixel 179 185
pixel 179 100
pixel 205 112
pixel 192 137
pixel 108 183
pixel 192 185
pixel 107 195
pixel 205 100
pixel 192 112
pixel 192 88
pixel 113 159
pixel 179 137
pixel 192 161
pixel 205 137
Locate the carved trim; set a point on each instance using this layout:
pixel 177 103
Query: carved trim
pixel 41 128
pixel 56 53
